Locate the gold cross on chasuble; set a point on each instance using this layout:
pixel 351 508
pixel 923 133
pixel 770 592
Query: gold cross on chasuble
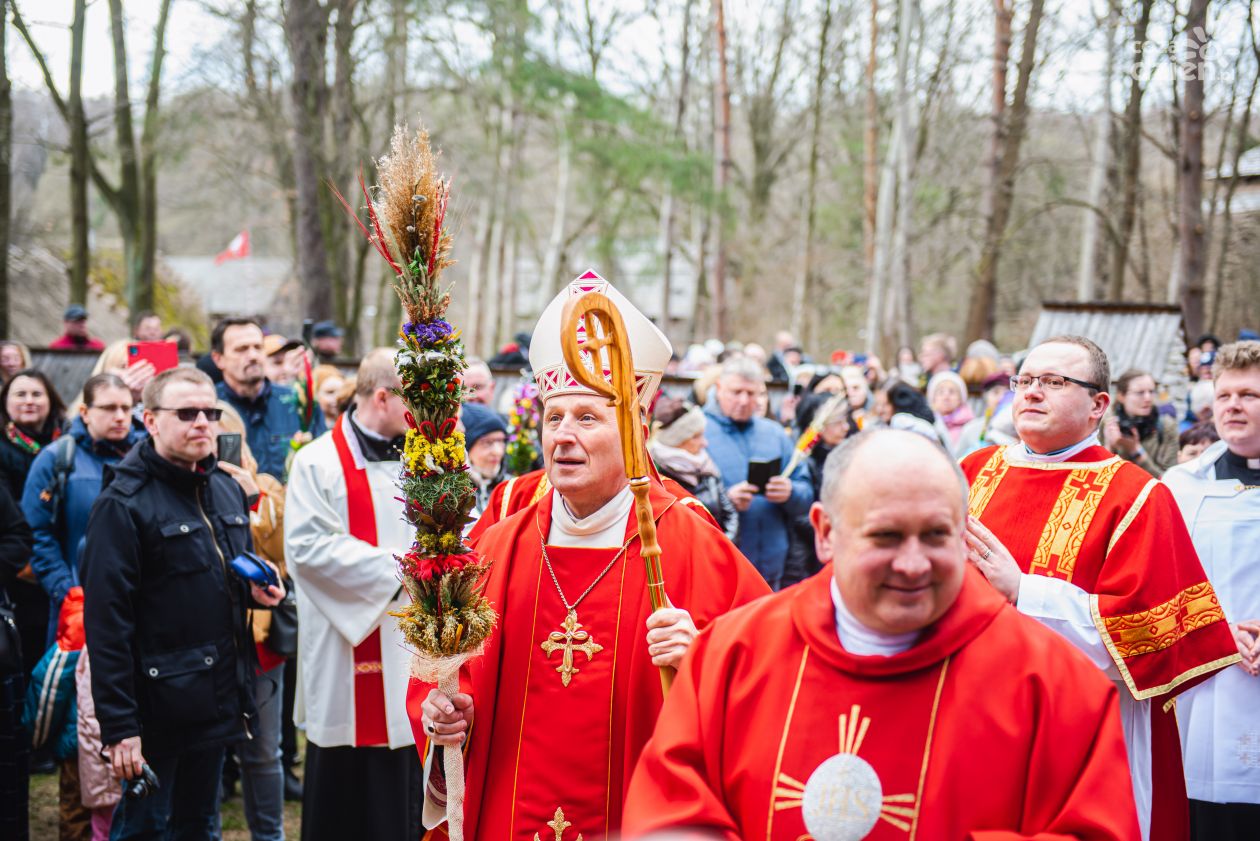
pixel 571 638
pixel 558 824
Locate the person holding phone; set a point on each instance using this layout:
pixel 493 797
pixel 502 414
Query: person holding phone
pixel 172 660
pixel 746 448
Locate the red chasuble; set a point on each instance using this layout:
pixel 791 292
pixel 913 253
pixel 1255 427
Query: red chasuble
pixel 1111 529
pixel 511 496
pixel 773 731
pixel 543 753
pixel 1107 526
pixel 370 728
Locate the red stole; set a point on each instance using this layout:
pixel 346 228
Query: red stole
pixel 369 680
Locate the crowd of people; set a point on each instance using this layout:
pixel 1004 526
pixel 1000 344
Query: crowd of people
pixel 1012 564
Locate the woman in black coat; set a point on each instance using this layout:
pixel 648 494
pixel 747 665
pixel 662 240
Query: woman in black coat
pixel 31 415
pixel 802 560
pixel 15 551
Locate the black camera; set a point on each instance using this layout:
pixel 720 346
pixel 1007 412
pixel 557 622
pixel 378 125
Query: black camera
pixel 1128 426
pixel 141 786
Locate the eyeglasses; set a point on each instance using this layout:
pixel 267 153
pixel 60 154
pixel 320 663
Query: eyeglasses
pixel 190 413
pixel 1049 382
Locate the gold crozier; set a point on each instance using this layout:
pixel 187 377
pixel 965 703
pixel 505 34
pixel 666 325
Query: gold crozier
pixel 571 638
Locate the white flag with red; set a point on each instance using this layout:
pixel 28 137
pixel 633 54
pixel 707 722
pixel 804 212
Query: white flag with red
pixel 237 249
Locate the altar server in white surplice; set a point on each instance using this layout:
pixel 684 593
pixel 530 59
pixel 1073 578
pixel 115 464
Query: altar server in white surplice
pixel 1219 495
pixel 343 526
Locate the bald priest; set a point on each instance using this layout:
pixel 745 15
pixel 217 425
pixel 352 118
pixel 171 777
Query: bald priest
pixel 892 696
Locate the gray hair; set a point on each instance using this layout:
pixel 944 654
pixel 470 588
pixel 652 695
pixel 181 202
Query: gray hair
pixel 840 460
pixel 744 368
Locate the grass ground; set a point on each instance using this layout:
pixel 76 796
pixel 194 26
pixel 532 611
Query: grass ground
pixel 44 812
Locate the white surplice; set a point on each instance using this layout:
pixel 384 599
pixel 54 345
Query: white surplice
pixel 1220 727
pixel 345 591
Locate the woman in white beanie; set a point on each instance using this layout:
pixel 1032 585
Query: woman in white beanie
pixel 678 446
pixel 947 395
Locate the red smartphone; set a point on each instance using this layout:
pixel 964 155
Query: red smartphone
pixel 163 355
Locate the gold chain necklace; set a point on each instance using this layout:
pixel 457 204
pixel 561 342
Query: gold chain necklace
pixel 572 637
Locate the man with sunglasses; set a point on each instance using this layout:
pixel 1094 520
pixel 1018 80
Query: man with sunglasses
pixel 1093 547
pixel 172 656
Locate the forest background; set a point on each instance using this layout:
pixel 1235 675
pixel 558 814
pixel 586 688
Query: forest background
pixel 860 172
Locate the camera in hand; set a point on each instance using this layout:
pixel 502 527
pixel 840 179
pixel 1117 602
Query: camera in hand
pixel 143 785
pixel 1128 426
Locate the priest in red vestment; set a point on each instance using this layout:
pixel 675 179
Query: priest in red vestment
pixel 568 689
pixel 891 696
pixel 1094 547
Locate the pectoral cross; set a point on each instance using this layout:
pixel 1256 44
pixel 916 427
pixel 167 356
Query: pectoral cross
pixel 567 641
pixel 558 823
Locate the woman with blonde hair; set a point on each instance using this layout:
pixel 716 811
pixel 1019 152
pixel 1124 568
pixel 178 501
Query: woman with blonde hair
pixel 14 357
pixel 326 383
pixel 113 360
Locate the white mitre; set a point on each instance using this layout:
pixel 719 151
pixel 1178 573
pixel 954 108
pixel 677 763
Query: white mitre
pixel 648 346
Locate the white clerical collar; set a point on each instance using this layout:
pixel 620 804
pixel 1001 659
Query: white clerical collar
pixel 605 527
pixel 1060 455
pixel 858 639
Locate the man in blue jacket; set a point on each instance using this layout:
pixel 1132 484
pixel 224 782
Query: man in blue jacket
pixel 269 411
pixel 736 435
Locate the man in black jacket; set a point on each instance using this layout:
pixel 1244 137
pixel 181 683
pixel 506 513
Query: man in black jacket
pixel 172 656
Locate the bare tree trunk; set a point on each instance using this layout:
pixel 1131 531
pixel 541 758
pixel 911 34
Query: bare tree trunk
pixel 71 110
pixel 127 199
pixel 268 111
pixel 1098 166
pixel 1240 145
pixel 805 280
pixel 340 158
pixel 877 304
pixel 980 320
pixel 80 254
pixel 1130 155
pixel 560 210
pixel 6 163
pixel 984 293
pixel 870 166
pixel 722 175
pixel 897 305
pixel 510 283
pixel 1193 244
pixel 476 278
pixel 396 111
pixel 141 295
pixel 667 201
pixel 500 228
pixel 306 30
pixel 134 200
